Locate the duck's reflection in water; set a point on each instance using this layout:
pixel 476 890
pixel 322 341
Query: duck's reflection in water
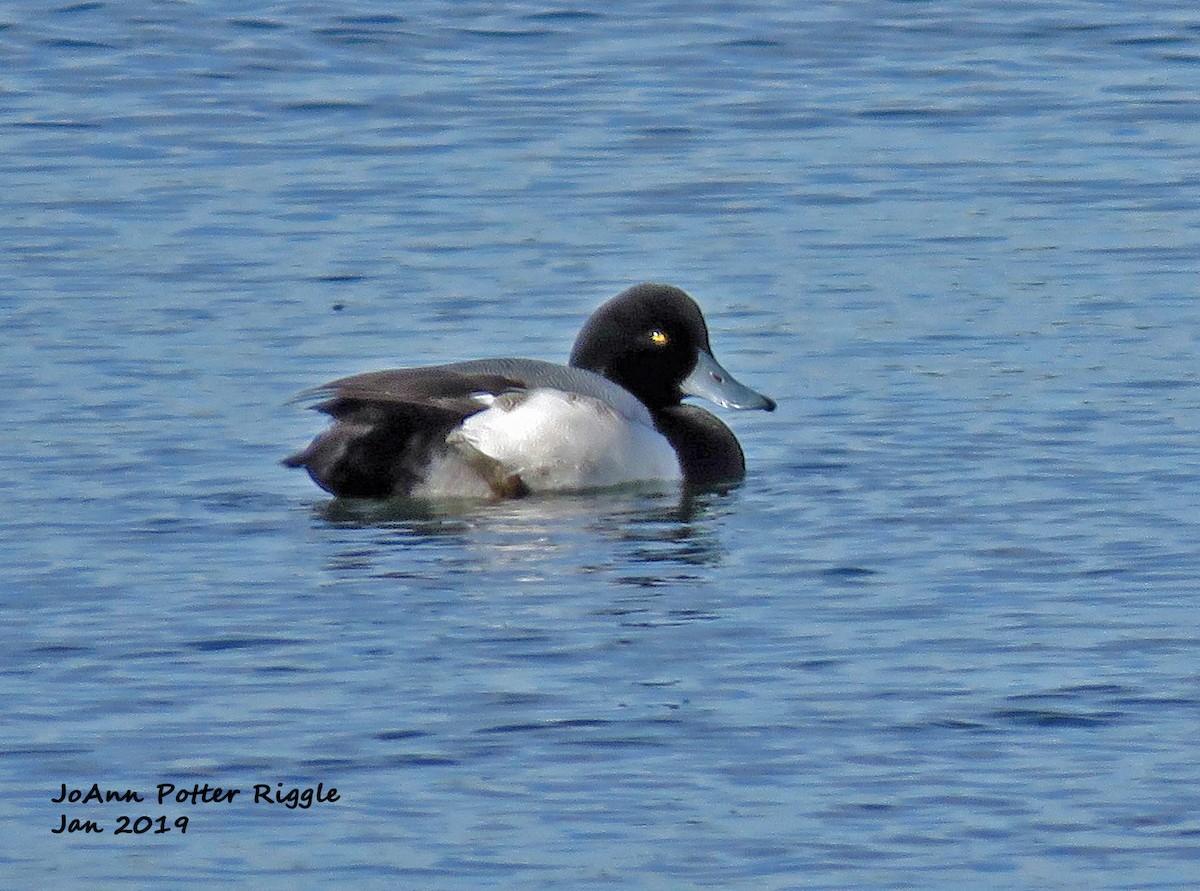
pixel 645 536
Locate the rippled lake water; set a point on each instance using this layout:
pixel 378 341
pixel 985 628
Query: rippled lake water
pixel 944 635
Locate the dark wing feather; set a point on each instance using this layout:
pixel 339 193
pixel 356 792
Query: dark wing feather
pixel 439 387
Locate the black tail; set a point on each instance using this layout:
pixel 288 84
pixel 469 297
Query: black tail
pixel 378 453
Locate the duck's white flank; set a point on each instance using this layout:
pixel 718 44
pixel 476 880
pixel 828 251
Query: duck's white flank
pixel 558 441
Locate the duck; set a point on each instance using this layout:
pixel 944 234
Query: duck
pixel 506 428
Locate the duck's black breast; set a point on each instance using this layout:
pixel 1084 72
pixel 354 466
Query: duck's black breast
pixel 708 451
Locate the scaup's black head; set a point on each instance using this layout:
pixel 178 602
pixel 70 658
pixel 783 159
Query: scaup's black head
pixel 652 340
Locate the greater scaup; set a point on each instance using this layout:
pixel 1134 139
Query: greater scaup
pixel 510 427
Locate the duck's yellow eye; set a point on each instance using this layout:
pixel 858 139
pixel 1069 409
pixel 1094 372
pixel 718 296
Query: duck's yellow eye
pixel 658 337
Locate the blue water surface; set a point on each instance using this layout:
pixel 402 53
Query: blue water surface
pixel 943 636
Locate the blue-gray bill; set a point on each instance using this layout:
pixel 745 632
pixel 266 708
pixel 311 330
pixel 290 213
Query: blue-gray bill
pixel 710 381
